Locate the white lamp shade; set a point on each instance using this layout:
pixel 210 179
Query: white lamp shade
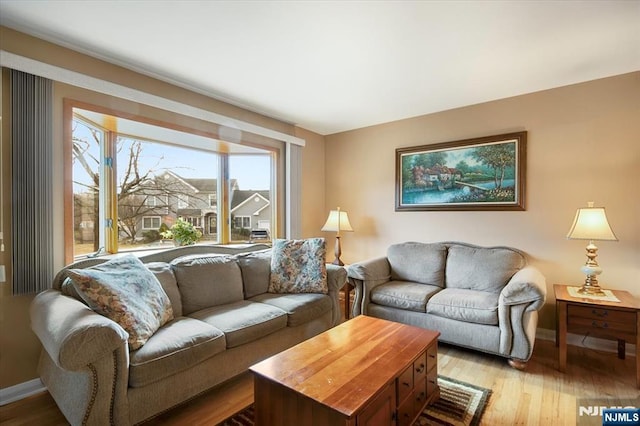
pixel 591 223
pixel 337 221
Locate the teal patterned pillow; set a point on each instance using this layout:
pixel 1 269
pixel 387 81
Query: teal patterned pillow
pixel 125 291
pixel 298 266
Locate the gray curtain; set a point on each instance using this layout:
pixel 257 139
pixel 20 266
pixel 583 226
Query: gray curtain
pixel 32 176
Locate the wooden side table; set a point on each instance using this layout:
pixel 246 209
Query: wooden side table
pixel 607 320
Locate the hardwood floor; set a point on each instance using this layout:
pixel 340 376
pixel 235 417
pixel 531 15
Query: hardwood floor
pixel 539 395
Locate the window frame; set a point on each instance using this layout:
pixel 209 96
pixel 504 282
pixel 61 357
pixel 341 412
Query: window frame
pixel 243 217
pixel 144 228
pixel 275 151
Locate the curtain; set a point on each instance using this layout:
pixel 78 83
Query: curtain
pixel 32 176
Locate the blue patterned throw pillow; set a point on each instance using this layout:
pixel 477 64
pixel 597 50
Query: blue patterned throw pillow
pixel 298 266
pixel 125 291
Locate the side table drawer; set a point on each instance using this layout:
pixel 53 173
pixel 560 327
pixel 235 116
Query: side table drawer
pixel 602 314
pixel 602 325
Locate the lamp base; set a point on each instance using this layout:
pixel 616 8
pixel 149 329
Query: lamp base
pixel 337 251
pixel 591 290
pixel 591 286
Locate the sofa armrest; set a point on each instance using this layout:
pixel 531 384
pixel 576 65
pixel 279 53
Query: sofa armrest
pixel 72 334
pixel 527 286
pixel 364 276
pixel 373 270
pixel 336 279
pixel 518 307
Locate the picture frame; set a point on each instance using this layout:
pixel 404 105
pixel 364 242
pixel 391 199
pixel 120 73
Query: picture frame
pixel 486 173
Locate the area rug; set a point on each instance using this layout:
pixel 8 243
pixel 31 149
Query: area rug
pixel 460 404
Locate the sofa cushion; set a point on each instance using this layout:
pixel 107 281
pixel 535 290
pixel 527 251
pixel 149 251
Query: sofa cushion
pixel 298 266
pixel 179 345
pixel 418 262
pixel 245 321
pixel 207 280
pixel 164 274
pixel 300 308
pixel 256 270
pixel 68 289
pixel 404 295
pixel 483 269
pixel 479 307
pixel 125 291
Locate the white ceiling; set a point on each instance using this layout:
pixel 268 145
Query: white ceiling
pixel 331 66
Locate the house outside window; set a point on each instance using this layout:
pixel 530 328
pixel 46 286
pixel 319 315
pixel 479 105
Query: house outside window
pixel 213 200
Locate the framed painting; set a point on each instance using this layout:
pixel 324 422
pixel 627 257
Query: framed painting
pixel 474 174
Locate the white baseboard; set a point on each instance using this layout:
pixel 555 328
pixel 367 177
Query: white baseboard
pixel 20 391
pixel 587 341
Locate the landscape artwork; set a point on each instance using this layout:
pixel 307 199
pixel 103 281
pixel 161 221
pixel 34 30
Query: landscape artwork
pixel 475 174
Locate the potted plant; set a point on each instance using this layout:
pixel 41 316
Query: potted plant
pixel 183 233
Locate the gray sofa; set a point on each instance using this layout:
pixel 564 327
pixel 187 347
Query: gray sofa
pixel 94 378
pixel 484 298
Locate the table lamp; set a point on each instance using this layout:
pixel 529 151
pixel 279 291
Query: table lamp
pixel 337 221
pixel 591 224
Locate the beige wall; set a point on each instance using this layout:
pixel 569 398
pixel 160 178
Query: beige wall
pixel 583 144
pixel 314 212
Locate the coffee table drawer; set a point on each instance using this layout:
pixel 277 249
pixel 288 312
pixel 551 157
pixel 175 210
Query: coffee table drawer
pixel 420 367
pixel 405 384
pixel 432 357
pixel 406 412
pixel 432 381
pixel 419 396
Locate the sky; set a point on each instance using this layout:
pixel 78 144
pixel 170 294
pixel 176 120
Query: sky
pixel 251 171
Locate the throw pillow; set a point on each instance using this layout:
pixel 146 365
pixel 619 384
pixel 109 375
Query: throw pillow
pixel 298 266
pixel 125 291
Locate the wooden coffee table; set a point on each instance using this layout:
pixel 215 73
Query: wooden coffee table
pixel 366 371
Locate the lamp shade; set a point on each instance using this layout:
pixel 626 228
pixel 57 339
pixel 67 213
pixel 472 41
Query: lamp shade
pixel 591 223
pixel 337 221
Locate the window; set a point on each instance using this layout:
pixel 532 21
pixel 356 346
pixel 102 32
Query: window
pixel 251 198
pixel 156 201
pixel 87 200
pixel 243 222
pixel 183 201
pixel 194 220
pixel 151 222
pixel 143 177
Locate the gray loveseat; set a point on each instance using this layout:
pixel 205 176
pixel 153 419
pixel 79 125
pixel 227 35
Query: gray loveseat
pixel 484 298
pixel 225 321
